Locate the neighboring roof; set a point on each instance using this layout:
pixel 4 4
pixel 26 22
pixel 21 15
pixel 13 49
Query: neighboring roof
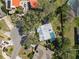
pixel 16 3
pixel 74 4
pixel 34 3
pixel 42 53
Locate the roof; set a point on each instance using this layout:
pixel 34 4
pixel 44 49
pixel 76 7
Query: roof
pixel 46 32
pixel 34 3
pixel 16 3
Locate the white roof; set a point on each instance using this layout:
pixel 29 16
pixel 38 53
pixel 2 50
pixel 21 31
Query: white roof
pixel 44 32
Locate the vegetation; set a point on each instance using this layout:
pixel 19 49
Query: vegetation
pixel 19 10
pixel 23 53
pixel 30 55
pixel 77 21
pixel 9 50
pixel 1 57
pixel 52 46
pixel 3 6
pixel 3 26
pixel 4 9
pixel 34 18
pixel 59 42
pixel 64 19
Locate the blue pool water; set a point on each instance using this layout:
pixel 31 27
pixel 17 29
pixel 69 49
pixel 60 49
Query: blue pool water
pixel 52 34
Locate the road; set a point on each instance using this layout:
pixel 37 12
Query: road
pixel 16 40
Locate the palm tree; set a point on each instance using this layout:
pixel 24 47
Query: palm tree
pixel 60 11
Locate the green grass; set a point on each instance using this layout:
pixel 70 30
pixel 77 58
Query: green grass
pixel 1 57
pixel 9 51
pixel 69 31
pixel 1 3
pixel 3 26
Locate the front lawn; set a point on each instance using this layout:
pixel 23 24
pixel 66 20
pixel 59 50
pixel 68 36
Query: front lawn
pixel 3 26
pixel 1 57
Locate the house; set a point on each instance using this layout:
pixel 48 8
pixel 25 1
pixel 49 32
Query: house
pixel 46 32
pixel 12 4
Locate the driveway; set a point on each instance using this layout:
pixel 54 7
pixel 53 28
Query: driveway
pixel 16 40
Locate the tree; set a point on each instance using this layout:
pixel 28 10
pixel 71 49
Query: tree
pixel 19 10
pixel 4 9
pixel 62 13
pixel 77 21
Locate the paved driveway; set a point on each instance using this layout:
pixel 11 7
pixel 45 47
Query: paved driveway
pixel 16 40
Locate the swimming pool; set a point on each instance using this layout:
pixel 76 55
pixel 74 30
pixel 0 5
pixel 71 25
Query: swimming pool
pixel 52 35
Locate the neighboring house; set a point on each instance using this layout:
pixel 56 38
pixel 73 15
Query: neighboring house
pixel 42 53
pixel 34 3
pixel 12 4
pixel 74 4
pixel 46 32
